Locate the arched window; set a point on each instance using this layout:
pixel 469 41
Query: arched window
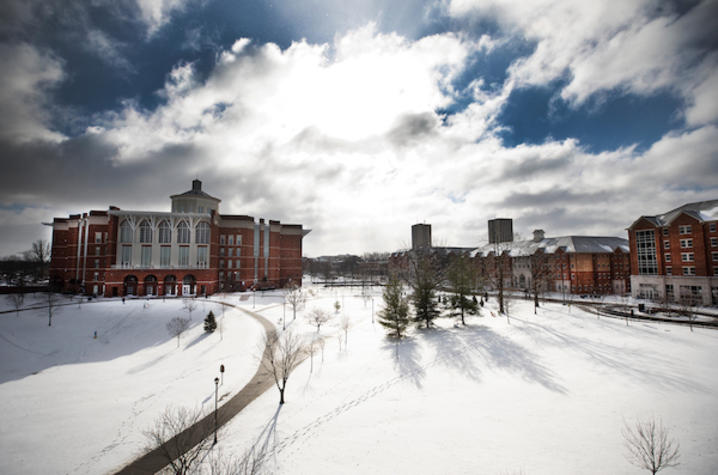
pixel 145 231
pixel 125 232
pixel 182 233
pixel 165 236
pixel 202 236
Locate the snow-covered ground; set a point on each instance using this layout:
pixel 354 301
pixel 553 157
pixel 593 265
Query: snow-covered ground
pixel 541 394
pixel 75 404
pixel 544 394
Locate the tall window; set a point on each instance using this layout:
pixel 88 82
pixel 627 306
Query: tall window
pixel 165 236
pixel 184 256
pixel 125 232
pixel 202 236
pixel 165 253
pixel 714 242
pixel 145 232
pixel 230 240
pixel 182 233
pixel 687 257
pixel 126 257
pixel 686 243
pixel 146 256
pixel 221 239
pixel 202 256
pixel 98 237
pixel 686 229
pixel 239 239
pixel 666 244
pixel 668 257
pixel 646 252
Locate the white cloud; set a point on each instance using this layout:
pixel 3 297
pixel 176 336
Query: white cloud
pixel 26 76
pixel 108 50
pixel 639 47
pixel 156 13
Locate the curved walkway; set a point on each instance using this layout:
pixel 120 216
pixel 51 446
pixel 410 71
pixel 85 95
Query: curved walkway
pixel 154 461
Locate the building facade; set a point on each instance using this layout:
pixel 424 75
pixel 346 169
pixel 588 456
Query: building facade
pixel 190 250
pixel 501 230
pixel 674 255
pixel 421 236
pixel 596 265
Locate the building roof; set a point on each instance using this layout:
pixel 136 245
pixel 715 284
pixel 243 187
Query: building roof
pixel 700 210
pixel 195 192
pixel 570 244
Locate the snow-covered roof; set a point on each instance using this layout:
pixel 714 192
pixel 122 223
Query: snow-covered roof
pixel 700 210
pixel 570 244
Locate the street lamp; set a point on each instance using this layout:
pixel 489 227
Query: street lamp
pixel 216 389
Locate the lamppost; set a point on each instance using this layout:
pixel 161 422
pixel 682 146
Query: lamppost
pixel 216 390
pixel 254 296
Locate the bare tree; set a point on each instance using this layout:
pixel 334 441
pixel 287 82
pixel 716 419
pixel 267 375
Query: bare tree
pixel 190 305
pixel 318 317
pixel 17 300
pixel 283 354
pixel 295 298
pixel 39 255
pixel 175 436
pixel 540 275
pixel 51 301
pixel 650 446
pixel 177 326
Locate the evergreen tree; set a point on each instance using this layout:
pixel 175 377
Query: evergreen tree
pixel 395 315
pixel 461 277
pixel 210 324
pixel 424 284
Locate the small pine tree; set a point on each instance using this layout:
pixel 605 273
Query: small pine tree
pixel 425 283
pixel 395 315
pixel 210 323
pixel 461 277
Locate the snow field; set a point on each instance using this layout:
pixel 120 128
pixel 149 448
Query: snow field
pixel 544 394
pixel 75 404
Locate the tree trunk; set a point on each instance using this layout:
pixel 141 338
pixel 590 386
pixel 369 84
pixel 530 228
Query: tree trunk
pixel 281 395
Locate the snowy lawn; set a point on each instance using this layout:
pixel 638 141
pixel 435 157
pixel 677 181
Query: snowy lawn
pixel 75 404
pixel 541 394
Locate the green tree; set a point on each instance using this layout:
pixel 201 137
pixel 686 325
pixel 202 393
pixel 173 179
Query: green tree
pixel 461 275
pixel 210 323
pixel 424 284
pixel 395 315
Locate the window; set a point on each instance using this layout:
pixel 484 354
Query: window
pixel 646 252
pixel 183 233
pixel 221 275
pixel 669 270
pixel 712 227
pixel 202 235
pixel 666 244
pixel 686 229
pixel 669 293
pixel 202 256
pixel 145 232
pixel 146 256
pixel 229 252
pixel 184 256
pixel 686 243
pixel 236 263
pixel 665 231
pixel 125 232
pixel 95 276
pixel 200 209
pixel 689 270
pixel 126 256
pixel 714 242
pixel 229 264
pixel 97 263
pixel 668 257
pixel 239 239
pixel 230 240
pixel 165 236
pixel 97 250
pixel 687 257
pixel 222 239
pixel 714 256
pixel 98 238
pixel 165 254
pixel 221 263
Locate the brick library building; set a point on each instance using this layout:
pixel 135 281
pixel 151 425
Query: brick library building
pixel 191 250
pixel 674 255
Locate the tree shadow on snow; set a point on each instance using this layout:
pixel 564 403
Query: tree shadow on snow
pixel 471 348
pixel 407 358
pixel 649 367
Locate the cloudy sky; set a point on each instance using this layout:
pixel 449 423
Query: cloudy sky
pixel 360 118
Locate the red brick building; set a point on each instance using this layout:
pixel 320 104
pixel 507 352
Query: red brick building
pixel 570 264
pixel 674 255
pixel 190 250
